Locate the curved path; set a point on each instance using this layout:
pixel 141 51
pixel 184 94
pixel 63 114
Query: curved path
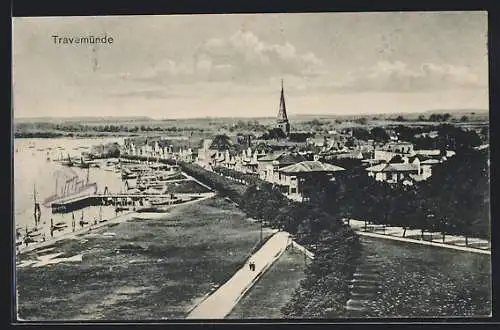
pixel 413 236
pixel 220 303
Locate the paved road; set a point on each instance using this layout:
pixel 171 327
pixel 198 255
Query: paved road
pixel 219 304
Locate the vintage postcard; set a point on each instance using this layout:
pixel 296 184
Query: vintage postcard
pixel 252 166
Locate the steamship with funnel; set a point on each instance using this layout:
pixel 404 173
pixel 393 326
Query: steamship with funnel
pixel 68 186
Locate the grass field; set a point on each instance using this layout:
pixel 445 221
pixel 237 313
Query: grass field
pixel 151 269
pixel 273 290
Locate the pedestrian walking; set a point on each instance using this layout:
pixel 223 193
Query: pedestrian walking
pixel 250 265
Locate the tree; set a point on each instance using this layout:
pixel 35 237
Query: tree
pixel 221 142
pixel 361 133
pixel 274 133
pixel 379 134
pixel 361 121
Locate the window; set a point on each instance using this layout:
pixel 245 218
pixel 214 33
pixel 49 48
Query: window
pixel 293 190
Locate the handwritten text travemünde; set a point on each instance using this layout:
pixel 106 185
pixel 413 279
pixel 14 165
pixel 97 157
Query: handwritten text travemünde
pixel 89 40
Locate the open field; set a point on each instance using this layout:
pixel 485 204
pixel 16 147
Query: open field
pixel 273 290
pixel 140 269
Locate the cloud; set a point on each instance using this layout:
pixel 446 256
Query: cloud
pixel 251 58
pixel 241 58
pixel 400 77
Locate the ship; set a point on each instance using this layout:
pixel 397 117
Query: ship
pixel 72 189
pixel 128 174
pixel 67 162
pixel 61 225
pixel 37 213
pixel 82 163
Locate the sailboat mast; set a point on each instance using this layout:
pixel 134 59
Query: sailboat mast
pixel 34 192
pixel 35 205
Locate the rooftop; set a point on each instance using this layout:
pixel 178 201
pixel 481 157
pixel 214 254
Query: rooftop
pixel 283 157
pixel 400 167
pixel 311 166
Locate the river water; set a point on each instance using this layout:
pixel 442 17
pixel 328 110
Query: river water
pixel 33 170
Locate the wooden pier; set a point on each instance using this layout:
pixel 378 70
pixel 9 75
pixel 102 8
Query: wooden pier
pixel 75 203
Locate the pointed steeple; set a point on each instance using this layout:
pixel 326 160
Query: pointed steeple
pixel 282 117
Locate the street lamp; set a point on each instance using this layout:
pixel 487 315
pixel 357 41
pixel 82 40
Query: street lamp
pixel 261 225
pixel 429 216
pixel 261 220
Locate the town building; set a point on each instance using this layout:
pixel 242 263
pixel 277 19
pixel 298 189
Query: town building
pixel 269 165
pixel 294 180
pixel 405 170
pixel 391 149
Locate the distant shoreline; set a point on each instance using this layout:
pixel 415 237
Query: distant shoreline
pixel 50 135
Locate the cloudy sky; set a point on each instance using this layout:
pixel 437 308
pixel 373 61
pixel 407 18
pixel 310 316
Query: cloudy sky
pixel 232 65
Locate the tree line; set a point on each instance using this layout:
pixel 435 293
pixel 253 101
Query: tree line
pixel 241 177
pixel 111 128
pixel 448 136
pixel 454 200
pixel 324 291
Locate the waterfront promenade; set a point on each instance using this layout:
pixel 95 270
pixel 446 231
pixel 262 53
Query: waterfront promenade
pixel 67 233
pixel 454 242
pixel 220 303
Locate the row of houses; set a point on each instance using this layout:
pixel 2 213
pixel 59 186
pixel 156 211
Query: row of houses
pixel 394 162
pixel 161 149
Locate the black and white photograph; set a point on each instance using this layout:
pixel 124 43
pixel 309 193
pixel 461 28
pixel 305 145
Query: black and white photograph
pixel 274 166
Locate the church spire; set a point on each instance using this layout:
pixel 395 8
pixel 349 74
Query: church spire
pixel 282 117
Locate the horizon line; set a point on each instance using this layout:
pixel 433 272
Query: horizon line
pixel 229 117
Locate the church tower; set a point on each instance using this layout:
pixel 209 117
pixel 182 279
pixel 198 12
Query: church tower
pixel 282 120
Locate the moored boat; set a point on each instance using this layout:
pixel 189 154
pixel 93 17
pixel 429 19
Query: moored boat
pixel 73 188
